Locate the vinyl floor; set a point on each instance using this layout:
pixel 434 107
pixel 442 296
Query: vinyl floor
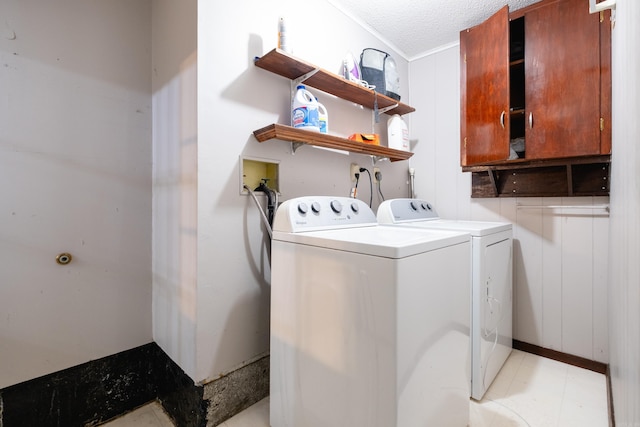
pixel 529 391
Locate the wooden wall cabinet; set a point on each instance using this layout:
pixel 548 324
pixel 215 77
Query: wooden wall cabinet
pixel 536 85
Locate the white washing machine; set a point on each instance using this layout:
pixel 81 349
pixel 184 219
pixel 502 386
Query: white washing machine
pixel 369 323
pixel 492 283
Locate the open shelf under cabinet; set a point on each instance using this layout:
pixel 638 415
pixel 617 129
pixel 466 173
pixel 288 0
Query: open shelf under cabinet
pixel 575 176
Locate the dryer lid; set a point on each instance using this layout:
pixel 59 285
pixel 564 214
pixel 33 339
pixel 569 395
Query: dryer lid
pixel 420 213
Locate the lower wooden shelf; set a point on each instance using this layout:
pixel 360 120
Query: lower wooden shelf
pixel 569 177
pixel 291 134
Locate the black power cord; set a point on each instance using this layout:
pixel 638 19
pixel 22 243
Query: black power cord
pixel 370 185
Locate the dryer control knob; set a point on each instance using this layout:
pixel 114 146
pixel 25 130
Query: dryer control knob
pixel 315 207
pixel 354 207
pixel 303 208
pixel 414 205
pixel 336 206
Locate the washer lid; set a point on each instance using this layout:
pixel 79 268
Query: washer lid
pixel 475 228
pixel 377 240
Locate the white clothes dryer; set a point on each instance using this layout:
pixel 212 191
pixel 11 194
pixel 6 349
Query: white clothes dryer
pixel 369 323
pixel 492 283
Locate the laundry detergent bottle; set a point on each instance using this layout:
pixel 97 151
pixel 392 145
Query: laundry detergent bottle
pixel 304 110
pixel 323 117
pixel 398 133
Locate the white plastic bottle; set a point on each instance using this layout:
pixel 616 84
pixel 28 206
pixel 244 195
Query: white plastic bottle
pixel 304 111
pixel 323 118
pixel 282 35
pixel 398 133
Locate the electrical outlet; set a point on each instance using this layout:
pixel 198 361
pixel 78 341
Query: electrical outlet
pixel 376 171
pixel 354 170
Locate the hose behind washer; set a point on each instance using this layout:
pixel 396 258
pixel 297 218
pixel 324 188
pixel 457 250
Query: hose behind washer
pixel 266 222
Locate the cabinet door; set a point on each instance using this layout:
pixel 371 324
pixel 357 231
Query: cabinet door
pixel 562 81
pixel 484 90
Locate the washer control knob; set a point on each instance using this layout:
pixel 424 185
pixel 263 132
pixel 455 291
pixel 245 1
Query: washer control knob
pixel 336 206
pixel 303 208
pixel 414 205
pixel 315 207
pixel 429 207
pixel 354 207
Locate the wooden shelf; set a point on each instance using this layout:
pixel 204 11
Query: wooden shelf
pixel 573 176
pixel 283 64
pixel 288 133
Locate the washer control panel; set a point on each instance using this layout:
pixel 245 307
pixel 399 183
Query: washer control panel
pixel 322 212
pixel 399 210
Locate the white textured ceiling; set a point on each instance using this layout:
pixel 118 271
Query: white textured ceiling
pixel 415 27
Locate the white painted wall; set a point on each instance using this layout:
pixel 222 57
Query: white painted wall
pixel 75 176
pixel 624 289
pixel 234 99
pixel 175 142
pixel 561 262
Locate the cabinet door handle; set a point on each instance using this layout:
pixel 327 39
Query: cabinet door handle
pixel 530 120
pixel 502 119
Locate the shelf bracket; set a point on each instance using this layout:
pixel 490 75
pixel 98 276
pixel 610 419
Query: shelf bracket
pixel 390 107
pixel 302 78
pixel 494 183
pixel 376 159
pixel 569 180
pixel 295 145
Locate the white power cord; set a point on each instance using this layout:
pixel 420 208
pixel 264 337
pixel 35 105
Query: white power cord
pixel 412 188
